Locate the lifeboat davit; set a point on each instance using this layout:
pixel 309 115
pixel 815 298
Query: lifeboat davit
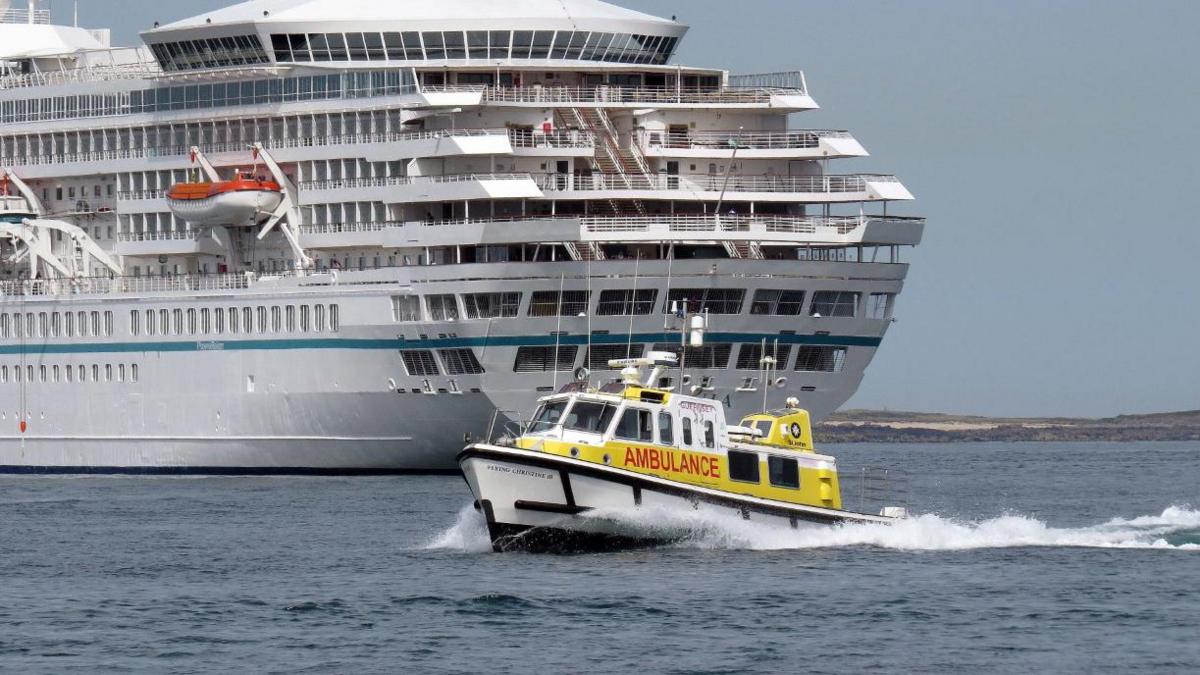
pixel 243 201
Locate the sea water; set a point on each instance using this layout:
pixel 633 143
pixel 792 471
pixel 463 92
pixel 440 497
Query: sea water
pixel 1018 558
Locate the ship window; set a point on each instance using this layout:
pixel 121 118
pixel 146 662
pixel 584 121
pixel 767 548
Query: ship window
pixel 261 314
pixel 561 41
pixel 491 305
pixel 750 356
pixel 177 321
pixel 406 308
pixel 599 355
pixel 666 434
pixel 374 42
pixel 191 322
pixel 542 40
pixel 164 322
pixel 283 50
pixel 522 41
pixel 150 316
pixel 783 472
pixel 56 323
pixel 69 372
pixel 120 373
pixel 319 318
pixel 247 319
pixel 686 427
pixel 499 44
pixel 711 300
pixel 357 46
pixel 879 306
pixel 558 303
pixel 710 438
pixel 133 373
pixel 442 307
pixel 419 362
pixel 623 303
pixel 299 44
pixel 4 325
pixel 135 322
pixel 205 321
pixel 635 425
pixel 304 311
pixel 435 49
pixel 43 325
pixel 412 45
pixel 776 302
pixel 290 317
pixel 590 417
pixel 547 417
pixel 219 320
pixel 461 362
pixel 544 359
pixel 834 303
pixel 743 466
pixel 42 373
pixel 276 319
pixel 455 45
pixel 820 359
pixel 337 46
pixel 394 45
pixel 108 372
pixel 705 356
pixel 82 373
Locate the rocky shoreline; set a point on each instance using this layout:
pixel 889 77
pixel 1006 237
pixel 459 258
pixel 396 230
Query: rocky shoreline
pixel 867 426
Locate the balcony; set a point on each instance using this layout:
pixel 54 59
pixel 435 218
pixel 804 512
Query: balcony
pixel 766 229
pixel 168 243
pixel 816 189
pixel 606 96
pixel 402 189
pixel 803 144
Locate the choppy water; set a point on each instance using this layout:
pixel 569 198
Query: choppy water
pixel 1026 557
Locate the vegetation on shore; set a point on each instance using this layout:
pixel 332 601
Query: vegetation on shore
pixel 871 426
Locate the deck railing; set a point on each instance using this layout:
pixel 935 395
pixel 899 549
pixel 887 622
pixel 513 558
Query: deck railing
pixel 605 94
pixel 339 183
pixel 828 184
pixel 116 285
pixel 728 140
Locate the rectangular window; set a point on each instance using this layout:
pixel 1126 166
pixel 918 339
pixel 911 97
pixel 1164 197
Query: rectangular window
pixel 666 431
pixel 442 307
pixel 191 322
pixel 219 320
pixel 491 305
pixel 686 427
pixel 599 355
pixel 290 318
pixel 710 436
pixel 635 425
pixel 261 315
pixel 820 359
pixel 711 300
pixel 406 308
pixel 544 359
pixel 834 304
pixel 461 361
pixel 588 417
pixel 706 356
pixel 783 472
pixel 778 303
pixel 135 322
pixel 879 306
pixel 419 362
pixel 556 303
pixel 435 47
pixel 276 319
pixel 743 466
pixel 624 303
pixel 750 356
pixel 319 318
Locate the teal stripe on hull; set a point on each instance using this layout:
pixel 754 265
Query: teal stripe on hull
pixel 432 343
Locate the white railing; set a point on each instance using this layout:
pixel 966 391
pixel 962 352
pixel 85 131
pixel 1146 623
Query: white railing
pixel 128 195
pixel 348 228
pixel 339 183
pixel 830 184
pixel 177 235
pixel 727 224
pixel 106 285
pixel 93 73
pixel 727 140
pixel 572 138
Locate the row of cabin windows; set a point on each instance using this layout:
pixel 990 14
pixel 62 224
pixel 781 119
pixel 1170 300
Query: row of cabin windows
pixel 809 358
pixel 56 324
pixel 640 425
pixel 745 467
pixel 235 320
pixel 80 373
pixel 772 302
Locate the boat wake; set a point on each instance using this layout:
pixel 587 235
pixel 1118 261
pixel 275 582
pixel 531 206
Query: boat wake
pixel 1176 528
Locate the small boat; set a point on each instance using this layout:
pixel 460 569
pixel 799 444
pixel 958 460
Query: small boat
pixel 589 454
pixel 243 201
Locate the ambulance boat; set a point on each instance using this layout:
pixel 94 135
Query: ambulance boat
pixel 590 458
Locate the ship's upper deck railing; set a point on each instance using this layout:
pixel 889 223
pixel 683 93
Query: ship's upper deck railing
pixel 612 95
pixel 713 183
pixel 11 15
pixel 170 235
pixel 728 140
pixel 383 181
pixel 792 79
pixel 126 284
pixel 118 63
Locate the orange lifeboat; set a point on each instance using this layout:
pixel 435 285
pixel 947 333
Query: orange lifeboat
pixel 243 201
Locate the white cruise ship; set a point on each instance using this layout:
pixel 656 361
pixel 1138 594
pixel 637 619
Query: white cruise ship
pixel 338 235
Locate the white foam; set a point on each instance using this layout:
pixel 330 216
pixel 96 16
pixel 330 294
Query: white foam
pixel 714 530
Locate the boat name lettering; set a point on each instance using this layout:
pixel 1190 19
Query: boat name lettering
pixel 210 346
pixel 519 471
pixel 696 407
pixel 657 459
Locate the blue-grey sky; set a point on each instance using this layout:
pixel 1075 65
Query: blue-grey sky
pixel 1053 146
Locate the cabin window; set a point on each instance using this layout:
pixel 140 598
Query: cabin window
pixel 461 361
pixel 419 362
pixel 687 431
pixel 666 431
pixel 598 356
pixel 547 417
pixel 491 305
pixel 783 472
pixel 590 417
pixel 635 425
pixel 710 437
pixel 627 302
pixel 821 359
pixel 545 359
pixel 743 466
pixel 834 303
pixel 764 427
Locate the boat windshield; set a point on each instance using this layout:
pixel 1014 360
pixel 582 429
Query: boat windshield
pixel 590 417
pixel 547 417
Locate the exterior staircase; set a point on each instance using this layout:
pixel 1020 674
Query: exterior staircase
pixel 624 164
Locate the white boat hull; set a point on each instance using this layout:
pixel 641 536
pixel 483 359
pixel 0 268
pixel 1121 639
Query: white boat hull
pixel 539 502
pixel 243 208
